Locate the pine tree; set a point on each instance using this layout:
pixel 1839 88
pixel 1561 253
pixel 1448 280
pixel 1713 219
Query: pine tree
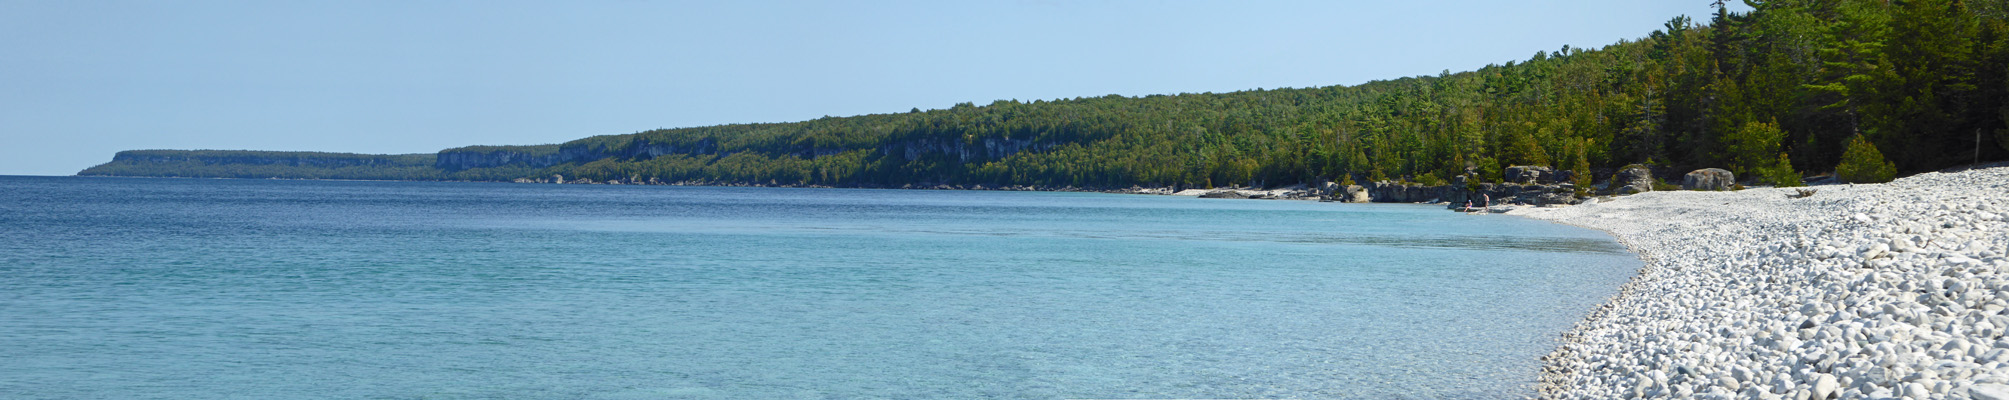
pixel 1863 163
pixel 2002 134
pixel 1781 173
pixel 1751 148
pixel 1523 150
pixel 1930 50
pixel 1581 168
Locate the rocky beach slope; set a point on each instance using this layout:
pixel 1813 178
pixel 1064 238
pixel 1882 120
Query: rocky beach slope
pixel 1857 292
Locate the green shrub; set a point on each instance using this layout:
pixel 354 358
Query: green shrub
pixel 1862 163
pixel 1661 185
pixel 1430 179
pixel 1522 149
pixel 1580 167
pixel 1490 171
pixel 1348 181
pixel 2002 135
pixel 1781 173
pixel 1751 147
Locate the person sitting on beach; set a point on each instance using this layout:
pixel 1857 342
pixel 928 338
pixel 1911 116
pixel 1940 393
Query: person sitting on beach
pixel 1468 204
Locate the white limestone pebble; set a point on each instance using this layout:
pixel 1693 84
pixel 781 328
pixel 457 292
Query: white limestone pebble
pixel 1860 291
pixel 1988 392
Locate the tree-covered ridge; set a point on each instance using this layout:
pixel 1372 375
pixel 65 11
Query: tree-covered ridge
pixel 1917 78
pixel 1774 92
pixel 248 164
pixel 266 164
pixel 533 149
pixel 296 158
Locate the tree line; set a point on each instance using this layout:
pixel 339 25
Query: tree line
pixel 1777 93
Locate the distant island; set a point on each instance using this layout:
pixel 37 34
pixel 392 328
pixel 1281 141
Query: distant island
pixel 1788 90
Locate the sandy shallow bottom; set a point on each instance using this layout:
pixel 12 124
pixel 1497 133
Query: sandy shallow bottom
pixel 1897 290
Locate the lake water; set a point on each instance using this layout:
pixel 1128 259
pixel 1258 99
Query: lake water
pixel 184 288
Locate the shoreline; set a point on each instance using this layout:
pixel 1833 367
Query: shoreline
pixel 1293 192
pixel 1859 291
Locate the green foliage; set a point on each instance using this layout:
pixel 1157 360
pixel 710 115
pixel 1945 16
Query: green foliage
pixel 1781 173
pixel 1430 179
pixel 1753 147
pixel 1347 181
pixel 1803 77
pixel 1581 168
pixel 1522 149
pixel 1754 150
pixel 1661 185
pixel 1491 171
pixel 2002 138
pixel 1863 163
pixel 2002 134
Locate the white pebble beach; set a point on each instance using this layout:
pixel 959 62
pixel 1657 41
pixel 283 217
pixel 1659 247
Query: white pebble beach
pixel 1896 290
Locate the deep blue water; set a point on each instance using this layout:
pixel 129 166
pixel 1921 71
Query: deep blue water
pixel 185 288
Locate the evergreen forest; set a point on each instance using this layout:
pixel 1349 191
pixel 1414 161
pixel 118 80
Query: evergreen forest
pixel 1774 94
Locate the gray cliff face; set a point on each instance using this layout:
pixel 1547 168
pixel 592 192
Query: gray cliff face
pixel 1494 194
pixel 1526 185
pixel 540 157
pixel 988 149
pixel 642 149
pixel 461 160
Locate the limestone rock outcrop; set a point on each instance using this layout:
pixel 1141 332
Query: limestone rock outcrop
pixel 1708 179
pixel 1633 179
pixel 1356 194
pixel 1529 175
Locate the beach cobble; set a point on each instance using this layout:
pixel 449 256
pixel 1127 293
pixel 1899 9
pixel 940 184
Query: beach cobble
pixel 1897 290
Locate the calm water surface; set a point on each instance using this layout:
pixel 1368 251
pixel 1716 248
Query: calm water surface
pixel 182 288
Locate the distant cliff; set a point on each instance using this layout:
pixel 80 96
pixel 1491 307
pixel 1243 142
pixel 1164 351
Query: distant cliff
pixel 475 157
pixel 659 156
pixel 266 164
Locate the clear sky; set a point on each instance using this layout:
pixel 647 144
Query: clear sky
pixel 80 80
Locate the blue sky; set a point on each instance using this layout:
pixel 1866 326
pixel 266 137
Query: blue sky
pixel 80 80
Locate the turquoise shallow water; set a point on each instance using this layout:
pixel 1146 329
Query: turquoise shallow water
pixel 179 288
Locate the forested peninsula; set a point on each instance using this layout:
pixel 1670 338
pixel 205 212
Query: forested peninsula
pixel 1788 90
